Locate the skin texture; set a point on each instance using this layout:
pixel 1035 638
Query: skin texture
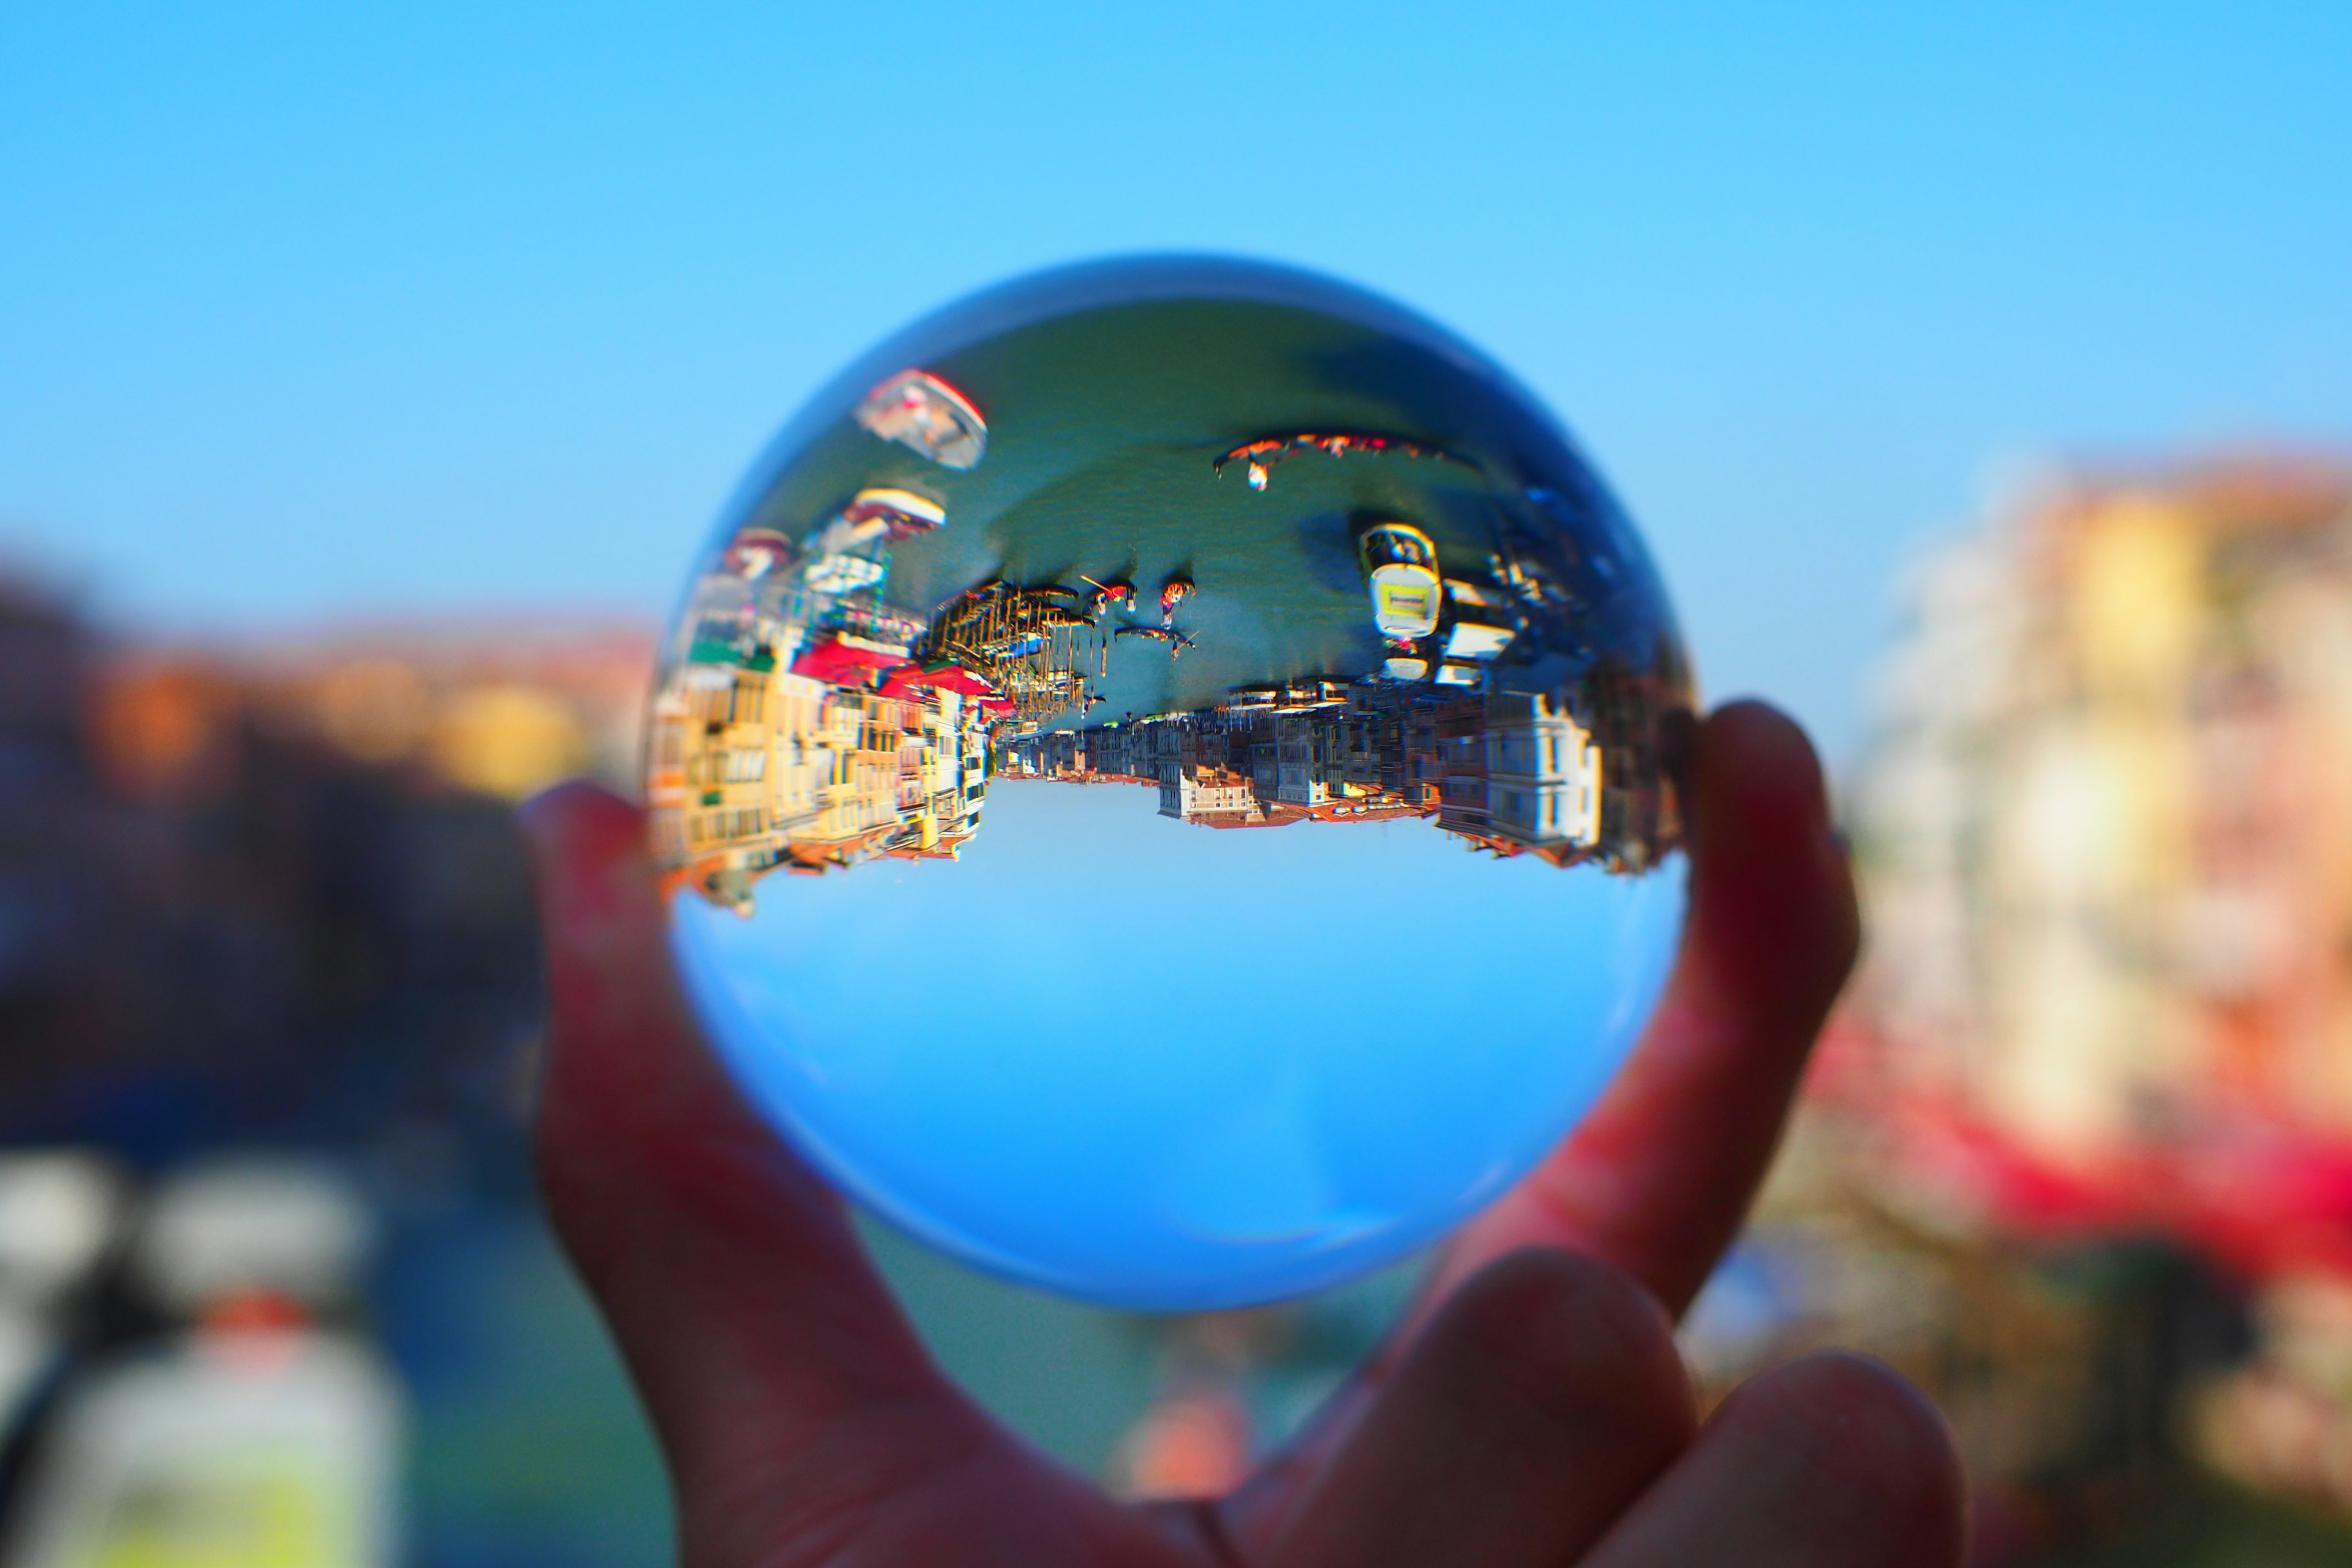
pixel 1531 1411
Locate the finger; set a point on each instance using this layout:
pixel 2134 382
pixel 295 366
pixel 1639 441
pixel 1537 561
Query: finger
pixel 762 1344
pixel 1537 1405
pixel 1658 1178
pixel 1832 1462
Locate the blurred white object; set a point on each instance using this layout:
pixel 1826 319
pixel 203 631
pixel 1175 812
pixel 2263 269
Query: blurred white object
pixel 253 1223
pixel 59 1212
pixel 271 1447
pixel 28 1349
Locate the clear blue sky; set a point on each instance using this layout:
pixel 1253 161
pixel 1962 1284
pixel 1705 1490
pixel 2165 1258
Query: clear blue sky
pixel 475 306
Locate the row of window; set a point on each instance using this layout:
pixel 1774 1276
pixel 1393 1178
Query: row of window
pixel 741 703
pixel 727 767
pixel 724 827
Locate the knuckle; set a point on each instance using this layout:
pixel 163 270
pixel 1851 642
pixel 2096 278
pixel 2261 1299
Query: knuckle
pixel 1866 1437
pixel 1566 1328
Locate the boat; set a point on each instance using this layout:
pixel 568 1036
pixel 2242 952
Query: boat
pixel 1400 566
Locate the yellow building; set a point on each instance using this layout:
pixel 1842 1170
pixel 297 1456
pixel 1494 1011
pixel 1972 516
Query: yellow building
pixel 717 791
pixel 755 768
pixel 2106 828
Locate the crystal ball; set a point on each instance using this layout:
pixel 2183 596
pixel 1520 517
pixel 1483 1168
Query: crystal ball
pixel 1161 779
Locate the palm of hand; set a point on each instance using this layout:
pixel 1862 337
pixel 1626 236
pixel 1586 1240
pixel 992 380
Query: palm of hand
pixel 1532 1413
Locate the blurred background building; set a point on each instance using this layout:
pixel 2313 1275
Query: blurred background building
pixel 270 1286
pixel 2077 1156
pixel 2080 1152
pixel 2108 821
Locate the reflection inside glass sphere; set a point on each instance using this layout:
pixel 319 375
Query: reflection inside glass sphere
pixel 1116 562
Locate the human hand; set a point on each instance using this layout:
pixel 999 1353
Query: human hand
pixel 1530 1412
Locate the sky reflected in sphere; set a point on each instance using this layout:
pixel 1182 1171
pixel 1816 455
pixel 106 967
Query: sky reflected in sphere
pixel 1164 779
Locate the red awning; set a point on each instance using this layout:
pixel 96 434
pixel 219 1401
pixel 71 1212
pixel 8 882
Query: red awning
pixel 2260 1196
pixel 846 662
pixel 947 678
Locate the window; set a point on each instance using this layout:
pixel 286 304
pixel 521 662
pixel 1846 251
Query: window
pixel 743 766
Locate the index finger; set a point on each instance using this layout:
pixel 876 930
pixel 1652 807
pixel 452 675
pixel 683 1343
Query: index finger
pixel 1657 1179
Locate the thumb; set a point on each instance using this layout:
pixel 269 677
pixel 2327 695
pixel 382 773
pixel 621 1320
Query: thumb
pixel 768 1352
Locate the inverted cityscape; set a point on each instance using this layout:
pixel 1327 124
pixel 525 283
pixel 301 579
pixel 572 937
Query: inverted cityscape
pixel 812 717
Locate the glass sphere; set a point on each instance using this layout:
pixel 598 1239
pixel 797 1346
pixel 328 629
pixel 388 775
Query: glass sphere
pixel 1160 782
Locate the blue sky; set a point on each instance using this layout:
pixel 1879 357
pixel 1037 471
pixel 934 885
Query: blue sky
pixel 1278 1058
pixel 307 313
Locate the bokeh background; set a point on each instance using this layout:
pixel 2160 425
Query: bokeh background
pixel 1983 381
